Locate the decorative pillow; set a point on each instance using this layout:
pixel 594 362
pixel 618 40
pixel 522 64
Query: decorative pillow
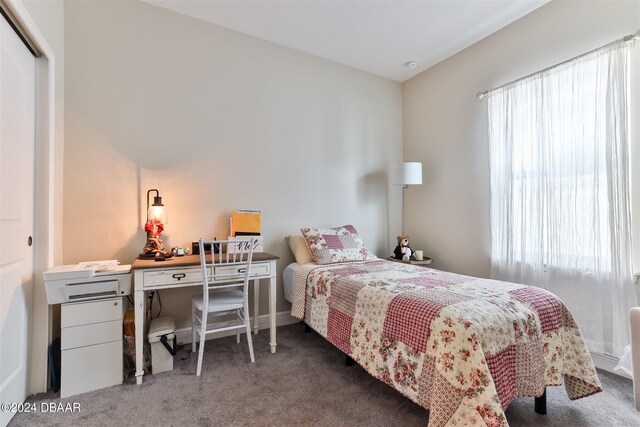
pixel 333 245
pixel 300 250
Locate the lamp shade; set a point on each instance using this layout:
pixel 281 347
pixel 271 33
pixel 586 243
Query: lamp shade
pixel 157 214
pixel 407 173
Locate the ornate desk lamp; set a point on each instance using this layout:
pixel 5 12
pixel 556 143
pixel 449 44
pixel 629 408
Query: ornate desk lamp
pixel 406 174
pixel 156 220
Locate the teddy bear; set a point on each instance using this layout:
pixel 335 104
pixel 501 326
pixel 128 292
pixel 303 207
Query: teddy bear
pixel 403 250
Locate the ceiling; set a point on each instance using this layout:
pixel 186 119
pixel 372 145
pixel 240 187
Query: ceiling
pixel 375 36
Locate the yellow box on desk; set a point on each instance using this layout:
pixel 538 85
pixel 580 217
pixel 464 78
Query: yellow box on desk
pixel 245 221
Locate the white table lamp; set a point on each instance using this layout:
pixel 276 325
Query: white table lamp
pixel 406 174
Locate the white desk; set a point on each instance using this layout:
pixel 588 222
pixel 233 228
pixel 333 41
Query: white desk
pixel 178 272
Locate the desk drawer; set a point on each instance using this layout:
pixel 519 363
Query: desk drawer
pixel 96 333
pixel 235 271
pixel 84 313
pixel 91 368
pixel 177 277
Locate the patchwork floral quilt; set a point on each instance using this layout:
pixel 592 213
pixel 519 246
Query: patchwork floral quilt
pixel 460 346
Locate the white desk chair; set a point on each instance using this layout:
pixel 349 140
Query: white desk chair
pixel 224 298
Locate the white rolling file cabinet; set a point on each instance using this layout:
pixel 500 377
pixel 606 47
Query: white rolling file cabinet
pixel 91 343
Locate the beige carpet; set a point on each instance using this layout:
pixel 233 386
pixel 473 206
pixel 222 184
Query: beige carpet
pixel 305 383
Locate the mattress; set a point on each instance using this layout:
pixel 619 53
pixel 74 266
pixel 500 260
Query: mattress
pixel 288 280
pixel 462 347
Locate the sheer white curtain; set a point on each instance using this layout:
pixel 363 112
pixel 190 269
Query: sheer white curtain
pixel 560 190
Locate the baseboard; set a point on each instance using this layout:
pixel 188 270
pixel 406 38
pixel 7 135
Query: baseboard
pixel 607 363
pixel 282 318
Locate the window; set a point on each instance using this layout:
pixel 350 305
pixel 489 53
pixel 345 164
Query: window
pixel 561 188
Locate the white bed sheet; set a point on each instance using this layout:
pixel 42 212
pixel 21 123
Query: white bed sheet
pixel 289 279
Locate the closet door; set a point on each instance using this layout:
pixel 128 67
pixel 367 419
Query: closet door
pixel 17 143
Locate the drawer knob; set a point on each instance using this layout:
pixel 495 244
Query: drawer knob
pixel 179 276
pixel 115 303
pixel 242 270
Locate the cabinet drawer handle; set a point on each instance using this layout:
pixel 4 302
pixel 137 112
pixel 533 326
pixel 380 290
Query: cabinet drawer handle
pixel 179 276
pixel 242 270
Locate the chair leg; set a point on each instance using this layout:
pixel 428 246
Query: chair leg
pixel 247 323
pixel 249 340
pixel 193 329
pixel 238 323
pixel 203 327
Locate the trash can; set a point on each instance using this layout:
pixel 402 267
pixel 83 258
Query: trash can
pixel 162 337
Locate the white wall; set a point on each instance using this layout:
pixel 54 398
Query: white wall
pixel 215 120
pixel 445 126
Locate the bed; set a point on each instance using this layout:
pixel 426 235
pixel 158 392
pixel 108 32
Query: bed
pixel 289 279
pixel 459 346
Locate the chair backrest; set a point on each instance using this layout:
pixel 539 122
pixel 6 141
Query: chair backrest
pixel 228 265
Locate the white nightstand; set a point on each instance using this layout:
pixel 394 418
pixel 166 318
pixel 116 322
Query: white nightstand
pixel 426 261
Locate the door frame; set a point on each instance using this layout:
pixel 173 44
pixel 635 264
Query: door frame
pixel 47 203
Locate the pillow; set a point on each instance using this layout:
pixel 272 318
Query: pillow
pixel 300 250
pixel 333 245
